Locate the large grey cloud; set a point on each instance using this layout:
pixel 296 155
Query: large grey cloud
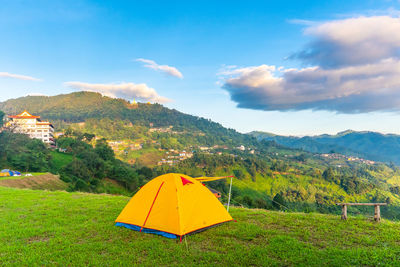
pixel 353 41
pixel 354 68
pixel 128 91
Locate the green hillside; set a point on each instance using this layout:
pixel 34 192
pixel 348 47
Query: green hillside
pixel 82 106
pixel 41 228
pixel 369 145
pixel 137 137
pixel 42 181
pixel 306 182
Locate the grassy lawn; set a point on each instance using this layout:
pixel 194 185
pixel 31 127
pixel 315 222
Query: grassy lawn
pixel 22 176
pixel 59 228
pixel 59 159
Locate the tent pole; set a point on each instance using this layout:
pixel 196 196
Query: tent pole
pixel 229 197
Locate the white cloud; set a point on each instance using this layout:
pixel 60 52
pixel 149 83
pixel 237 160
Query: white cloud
pixel 169 70
pixel 19 77
pixel 355 67
pixel 128 91
pixel 352 41
pixel 301 22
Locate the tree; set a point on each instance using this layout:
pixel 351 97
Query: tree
pixel 88 137
pixel 22 153
pixel 302 157
pixel 104 150
pixel 1 118
pixel 329 174
pixel 248 201
pixel 146 172
pixel 261 203
pixel 279 202
pixel 239 174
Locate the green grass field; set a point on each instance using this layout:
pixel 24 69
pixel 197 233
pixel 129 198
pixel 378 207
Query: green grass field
pixel 59 159
pixel 68 229
pixel 22 176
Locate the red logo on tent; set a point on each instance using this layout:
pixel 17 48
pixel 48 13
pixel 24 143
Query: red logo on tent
pixel 185 181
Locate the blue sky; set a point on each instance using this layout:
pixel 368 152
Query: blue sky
pixel 223 50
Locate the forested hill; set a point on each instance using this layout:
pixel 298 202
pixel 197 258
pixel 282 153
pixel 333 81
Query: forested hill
pixel 81 106
pixel 369 145
pixel 135 143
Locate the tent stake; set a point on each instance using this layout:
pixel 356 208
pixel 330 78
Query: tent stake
pixel 229 197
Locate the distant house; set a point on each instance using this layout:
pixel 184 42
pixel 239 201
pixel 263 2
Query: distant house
pixel 242 148
pixel 31 125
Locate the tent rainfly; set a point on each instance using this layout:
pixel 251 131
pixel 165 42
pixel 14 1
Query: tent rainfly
pixel 173 205
pixel 7 172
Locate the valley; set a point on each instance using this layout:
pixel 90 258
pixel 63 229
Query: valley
pixel 112 146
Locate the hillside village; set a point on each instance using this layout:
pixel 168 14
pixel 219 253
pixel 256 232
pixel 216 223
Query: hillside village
pixel 31 125
pixel 34 127
pixel 347 158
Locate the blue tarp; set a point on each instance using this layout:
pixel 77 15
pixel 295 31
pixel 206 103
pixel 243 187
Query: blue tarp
pixel 146 230
pixel 11 173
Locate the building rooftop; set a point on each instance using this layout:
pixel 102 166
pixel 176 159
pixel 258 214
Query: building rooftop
pixel 24 115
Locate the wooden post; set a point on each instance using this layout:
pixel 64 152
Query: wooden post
pixel 344 212
pixel 377 216
pixel 229 197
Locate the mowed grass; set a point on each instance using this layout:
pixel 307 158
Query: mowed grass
pixel 67 229
pixel 22 176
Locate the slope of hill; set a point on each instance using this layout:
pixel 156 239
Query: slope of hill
pixel 45 181
pixel 370 145
pixel 81 106
pixel 47 228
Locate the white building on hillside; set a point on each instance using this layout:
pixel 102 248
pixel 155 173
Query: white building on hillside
pixel 32 126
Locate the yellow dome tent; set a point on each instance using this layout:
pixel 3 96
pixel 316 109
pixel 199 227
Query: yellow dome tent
pixel 172 205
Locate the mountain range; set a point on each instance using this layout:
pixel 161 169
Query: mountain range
pixel 369 145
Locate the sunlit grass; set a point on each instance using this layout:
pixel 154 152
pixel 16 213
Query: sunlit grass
pixel 23 176
pixel 65 229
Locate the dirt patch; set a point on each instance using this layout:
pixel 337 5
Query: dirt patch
pixel 46 181
pixel 35 239
pixel 149 159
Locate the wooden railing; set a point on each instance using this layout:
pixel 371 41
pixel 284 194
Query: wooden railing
pixel 377 216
